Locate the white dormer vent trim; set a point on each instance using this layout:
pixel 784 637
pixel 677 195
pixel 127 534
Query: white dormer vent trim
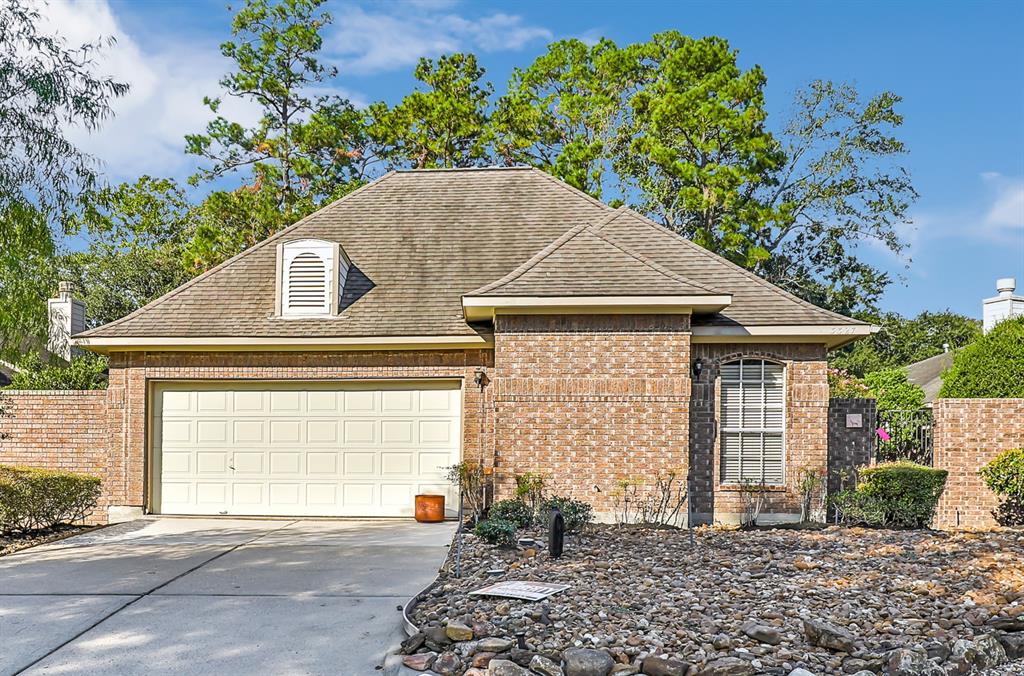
pixel 311 274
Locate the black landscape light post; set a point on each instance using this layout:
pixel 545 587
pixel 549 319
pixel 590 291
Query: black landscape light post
pixel 556 533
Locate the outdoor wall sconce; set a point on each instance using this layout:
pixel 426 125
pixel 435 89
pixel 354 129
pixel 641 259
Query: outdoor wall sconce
pixel 698 368
pixel 480 377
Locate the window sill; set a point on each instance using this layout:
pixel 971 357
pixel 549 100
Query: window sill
pixel 768 488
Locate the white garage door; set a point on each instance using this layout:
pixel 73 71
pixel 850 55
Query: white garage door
pixel 303 449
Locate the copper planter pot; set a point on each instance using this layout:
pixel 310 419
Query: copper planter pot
pixel 430 508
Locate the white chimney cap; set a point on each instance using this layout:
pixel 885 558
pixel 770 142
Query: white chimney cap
pixel 1006 285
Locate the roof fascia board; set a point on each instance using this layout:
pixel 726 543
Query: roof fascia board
pixel 476 308
pixel 833 336
pixel 272 344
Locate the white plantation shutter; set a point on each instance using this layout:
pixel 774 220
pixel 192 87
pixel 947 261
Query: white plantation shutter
pixel 753 422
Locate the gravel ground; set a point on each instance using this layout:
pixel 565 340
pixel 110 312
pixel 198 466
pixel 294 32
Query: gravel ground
pixel 639 592
pixel 12 542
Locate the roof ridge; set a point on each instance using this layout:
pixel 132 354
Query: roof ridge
pixel 576 192
pixel 429 170
pixel 750 275
pixel 242 254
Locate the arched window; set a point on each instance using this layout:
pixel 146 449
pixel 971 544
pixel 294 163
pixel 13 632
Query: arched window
pixel 753 422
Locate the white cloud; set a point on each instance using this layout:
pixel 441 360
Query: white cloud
pixel 397 37
pixel 168 83
pixel 1005 213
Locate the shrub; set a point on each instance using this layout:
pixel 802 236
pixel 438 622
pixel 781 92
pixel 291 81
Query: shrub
pixel 87 372
pixel 992 366
pixel 530 488
pixel 471 479
pixel 32 498
pixel 893 391
pixel 1004 475
pixel 497 532
pixel 896 494
pixel 576 513
pixel 514 511
pixel 842 385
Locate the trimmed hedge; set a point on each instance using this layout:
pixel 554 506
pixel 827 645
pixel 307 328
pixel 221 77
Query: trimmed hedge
pixel 1004 475
pixel 992 366
pixel 35 499
pixel 894 494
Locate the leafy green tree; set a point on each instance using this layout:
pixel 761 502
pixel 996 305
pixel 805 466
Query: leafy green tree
pixel 841 185
pixel 901 341
pixel 137 234
pixel 85 372
pixel 306 143
pixel 695 145
pixel 992 366
pixel 560 113
pixel 46 89
pixel 892 390
pixel 27 275
pixel 444 124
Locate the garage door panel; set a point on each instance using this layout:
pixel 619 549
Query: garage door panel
pixel 342 449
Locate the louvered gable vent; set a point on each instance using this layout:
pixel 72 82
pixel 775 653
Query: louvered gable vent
pixel 312 275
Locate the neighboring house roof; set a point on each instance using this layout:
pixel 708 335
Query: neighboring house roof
pixel 420 240
pixel 927 374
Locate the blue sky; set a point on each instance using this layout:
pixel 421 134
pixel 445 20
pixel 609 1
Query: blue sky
pixel 959 67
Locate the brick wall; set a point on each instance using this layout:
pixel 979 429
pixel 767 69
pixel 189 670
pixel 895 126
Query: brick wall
pixel 59 429
pixel 806 431
pixel 849 447
pixel 969 433
pixel 131 372
pixel 589 400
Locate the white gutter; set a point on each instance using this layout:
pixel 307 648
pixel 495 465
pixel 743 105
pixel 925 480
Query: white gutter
pixel 227 344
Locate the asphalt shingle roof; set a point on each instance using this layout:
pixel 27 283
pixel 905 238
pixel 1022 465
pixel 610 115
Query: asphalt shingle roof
pixel 420 240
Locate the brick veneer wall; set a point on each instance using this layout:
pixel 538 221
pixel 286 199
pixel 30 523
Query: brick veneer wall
pixel 969 433
pixel 589 400
pixel 849 447
pixel 806 431
pixel 131 372
pixel 57 429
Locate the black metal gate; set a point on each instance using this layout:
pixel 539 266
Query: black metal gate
pixel 905 435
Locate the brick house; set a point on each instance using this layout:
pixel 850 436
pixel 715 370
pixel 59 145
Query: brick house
pixel 491 315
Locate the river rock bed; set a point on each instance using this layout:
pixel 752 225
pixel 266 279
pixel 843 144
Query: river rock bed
pixel 831 601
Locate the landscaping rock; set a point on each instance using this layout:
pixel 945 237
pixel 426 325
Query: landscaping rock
pixel 542 665
pixel 419 661
pixel 447 664
pixel 803 672
pixel 903 662
pixel 624 670
pixel 436 639
pixel 659 666
pixel 413 643
pixel 828 636
pixel 762 633
pixel 587 662
pixel 457 631
pixel 505 668
pixel 1013 645
pixel 481 660
pixel 494 644
pixel 727 666
pixel 989 652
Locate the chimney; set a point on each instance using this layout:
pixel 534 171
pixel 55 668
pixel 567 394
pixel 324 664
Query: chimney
pixel 1004 306
pixel 67 318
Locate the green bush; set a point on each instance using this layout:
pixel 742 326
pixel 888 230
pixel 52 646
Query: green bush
pixel 86 372
pixel 497 532
pixel 992 366
pixel 842 385
pixel 894 495
pixel 892 390
pixel 576 513
pixel 33 499
pixel 1004 475
pixel 515 511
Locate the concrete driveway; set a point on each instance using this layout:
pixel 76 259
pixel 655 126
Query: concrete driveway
pixel 225 596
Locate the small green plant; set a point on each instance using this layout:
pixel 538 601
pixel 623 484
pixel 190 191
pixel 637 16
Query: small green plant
pixel 627 499
pixel 576 513
pixel 497 532
pixel 515 511
pixel 530 488
pixel 1004 476
pixel 470 478
pixel 38 499
pixel 893 495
